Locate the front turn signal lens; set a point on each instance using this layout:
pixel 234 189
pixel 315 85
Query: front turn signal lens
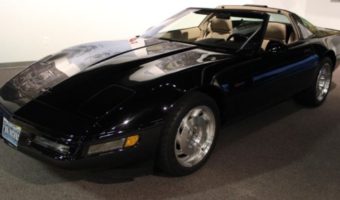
pixel 131 141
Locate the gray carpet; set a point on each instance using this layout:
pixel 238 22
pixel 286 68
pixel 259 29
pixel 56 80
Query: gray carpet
pixel 286 152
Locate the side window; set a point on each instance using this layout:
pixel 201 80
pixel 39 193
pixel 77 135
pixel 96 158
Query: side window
pixel 307 29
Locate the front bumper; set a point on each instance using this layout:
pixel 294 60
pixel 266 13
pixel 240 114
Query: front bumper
pixel 145 149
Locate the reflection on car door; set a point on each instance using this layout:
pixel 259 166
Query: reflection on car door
pixel 267 78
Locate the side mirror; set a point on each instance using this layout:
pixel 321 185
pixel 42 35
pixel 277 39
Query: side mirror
pixel 275 47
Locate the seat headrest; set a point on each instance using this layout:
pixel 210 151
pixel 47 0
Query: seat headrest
pixel 276 31
pixel 220 25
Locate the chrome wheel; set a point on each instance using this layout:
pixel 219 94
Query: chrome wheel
pixel 323 82
pixel 195 136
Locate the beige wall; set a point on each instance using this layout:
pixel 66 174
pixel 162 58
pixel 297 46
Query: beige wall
pixel 297 6
pixel 31 29
pixel 324 13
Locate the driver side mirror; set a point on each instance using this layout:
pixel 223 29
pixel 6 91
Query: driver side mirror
pixel 274 47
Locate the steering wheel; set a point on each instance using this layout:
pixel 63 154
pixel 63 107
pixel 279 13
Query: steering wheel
pixel 237 36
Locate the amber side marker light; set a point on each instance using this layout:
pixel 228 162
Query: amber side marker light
pixel 113 145
pixel 131 141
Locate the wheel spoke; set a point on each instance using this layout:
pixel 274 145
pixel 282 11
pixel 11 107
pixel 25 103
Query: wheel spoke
pixel 196 112
pixel 199 153
pixel 184 138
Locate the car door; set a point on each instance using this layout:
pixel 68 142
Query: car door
pixel 290 67
pixel 268 77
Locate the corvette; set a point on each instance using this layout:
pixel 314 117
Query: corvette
pixel 164 95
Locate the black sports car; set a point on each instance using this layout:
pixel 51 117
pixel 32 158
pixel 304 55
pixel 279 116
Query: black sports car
pixel 163 95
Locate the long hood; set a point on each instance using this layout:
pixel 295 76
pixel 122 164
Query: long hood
pixel 80 84
pixel 47 73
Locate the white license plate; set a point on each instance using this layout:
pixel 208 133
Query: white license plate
pixel 11 132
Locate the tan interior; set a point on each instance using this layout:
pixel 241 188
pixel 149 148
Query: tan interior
pixel 219 28
pixel 278 32
pixel 275 32
pixel 192 33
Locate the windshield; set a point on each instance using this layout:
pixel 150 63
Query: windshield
pixel 224 29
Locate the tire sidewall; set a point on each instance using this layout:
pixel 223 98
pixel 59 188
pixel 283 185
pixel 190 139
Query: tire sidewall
pixel 322 63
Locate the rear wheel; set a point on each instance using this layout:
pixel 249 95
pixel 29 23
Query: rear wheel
pixel 189 135
pixel 318 92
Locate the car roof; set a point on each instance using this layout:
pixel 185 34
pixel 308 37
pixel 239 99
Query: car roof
pixel 260 8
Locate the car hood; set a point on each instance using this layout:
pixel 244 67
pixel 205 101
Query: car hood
pixel 77 85
pixel 47 73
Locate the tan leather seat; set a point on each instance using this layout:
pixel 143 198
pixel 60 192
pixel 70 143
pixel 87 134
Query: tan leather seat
pixel 275 32
pixel 219 28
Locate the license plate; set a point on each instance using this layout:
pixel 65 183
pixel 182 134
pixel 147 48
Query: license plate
pixel 11 132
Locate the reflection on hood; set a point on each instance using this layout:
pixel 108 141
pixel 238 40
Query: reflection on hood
pixel 52 70
pixel 174 63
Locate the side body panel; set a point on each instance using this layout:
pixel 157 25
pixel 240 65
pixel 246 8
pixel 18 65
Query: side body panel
pixel 266 78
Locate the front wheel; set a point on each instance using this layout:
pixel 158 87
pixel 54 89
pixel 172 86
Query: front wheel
pixel 318 92
pixel 189 135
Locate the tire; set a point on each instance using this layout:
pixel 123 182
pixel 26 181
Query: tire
pixel 317 93
pixel 189 135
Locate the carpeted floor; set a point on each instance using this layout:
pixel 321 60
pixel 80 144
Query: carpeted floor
pixel 286 152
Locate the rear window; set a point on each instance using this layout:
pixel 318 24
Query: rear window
pixel 307 29
pixel 279 18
